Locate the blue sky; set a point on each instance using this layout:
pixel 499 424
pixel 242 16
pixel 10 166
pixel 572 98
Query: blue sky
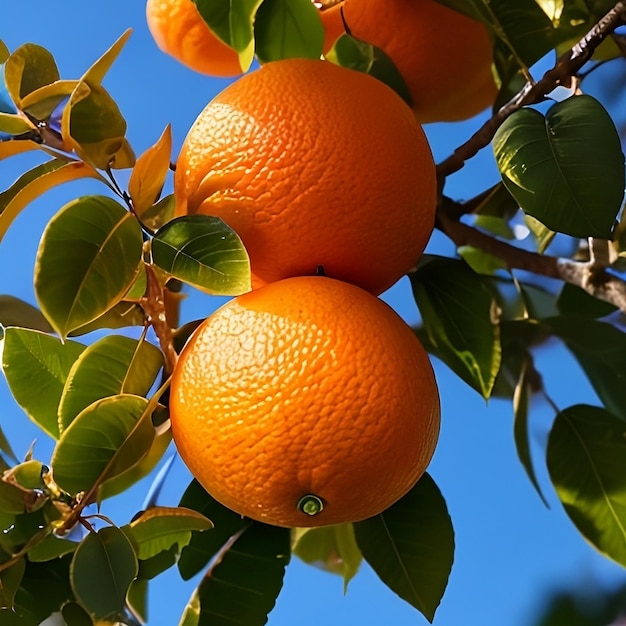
pixel 511 551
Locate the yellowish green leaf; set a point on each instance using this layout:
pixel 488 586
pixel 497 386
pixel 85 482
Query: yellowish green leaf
pixel 36 182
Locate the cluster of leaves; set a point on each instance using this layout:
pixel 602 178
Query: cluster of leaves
pixel 113 261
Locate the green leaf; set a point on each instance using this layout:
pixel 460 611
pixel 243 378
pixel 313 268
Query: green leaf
pixel 122 315
pixel 601 351
pixel 112 365
pixel 10 580
pixel 587 465
pixel 28 68
pixel 102 569
pixel 233 23
pixel 141 453
pixel 160 213
pixel 331 548
pixel 565 169
pixel 205 252
pixel 364 57
pixel 149 174
pixel 93 126
pixel 35 182
pixel 44 590
pixel 31 361
pixel 16 312
pixel 87 451
pixel 576 302
pixel 481 262
pixel 51 548
pixel 411 546
pixel 161 528
pixel 460 318
pixel 75 615
pixel 14 124
pixel 286 29
pixel 519 26
pixel 204 546
pixel 521 402
pixel 242 585
pixel 88 256
pixel 13 499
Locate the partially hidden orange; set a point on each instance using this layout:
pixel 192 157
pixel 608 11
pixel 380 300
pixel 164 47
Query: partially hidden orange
pixel 304 403
pixel 179 30
pixel 317 168
pixel 444 56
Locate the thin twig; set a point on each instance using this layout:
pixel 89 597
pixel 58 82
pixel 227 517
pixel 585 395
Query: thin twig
pixel 588 275
pixel 567 65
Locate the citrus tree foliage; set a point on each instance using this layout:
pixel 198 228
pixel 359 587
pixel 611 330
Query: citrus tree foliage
pixel 116 259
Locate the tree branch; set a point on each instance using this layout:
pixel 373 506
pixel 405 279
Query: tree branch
pixel 567 65
pixel 591 276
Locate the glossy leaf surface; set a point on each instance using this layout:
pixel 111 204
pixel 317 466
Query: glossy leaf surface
pixel 203 251
pixel 411 546
pixel 587 464
pixel 102 569
pixel 566 168
pixel 31 361
pixel 88 448
pixel 460 317
pixel 88 257
pixel 115 364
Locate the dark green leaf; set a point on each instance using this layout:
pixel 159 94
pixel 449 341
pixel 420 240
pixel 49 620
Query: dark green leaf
pixel 203 251
pixel 601 351
pixel 460 320
pixel 576 302
pixel 331 548
pixel 364 57
pixel 102 569
pixel 44 590
pixel 88 256
pixel 160 528
pixel 88 449
pixel 204 546
pixel 112 365
pixel 16 312
pixel 75 615
pixel 233 23
pixel 411 546
pixel 10 580
pixel 33 360
pixel 285 29
pixel 51 548
pixel 521 408
pixel 13 499
pixel 242 585
pixel 587 465
pixel 565 169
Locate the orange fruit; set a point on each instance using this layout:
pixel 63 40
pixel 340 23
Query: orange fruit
pixel 304 403
pixel 179 30
pixel 313 165
pixel 444 57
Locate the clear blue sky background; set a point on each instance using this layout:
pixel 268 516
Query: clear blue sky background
pixel 512 551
